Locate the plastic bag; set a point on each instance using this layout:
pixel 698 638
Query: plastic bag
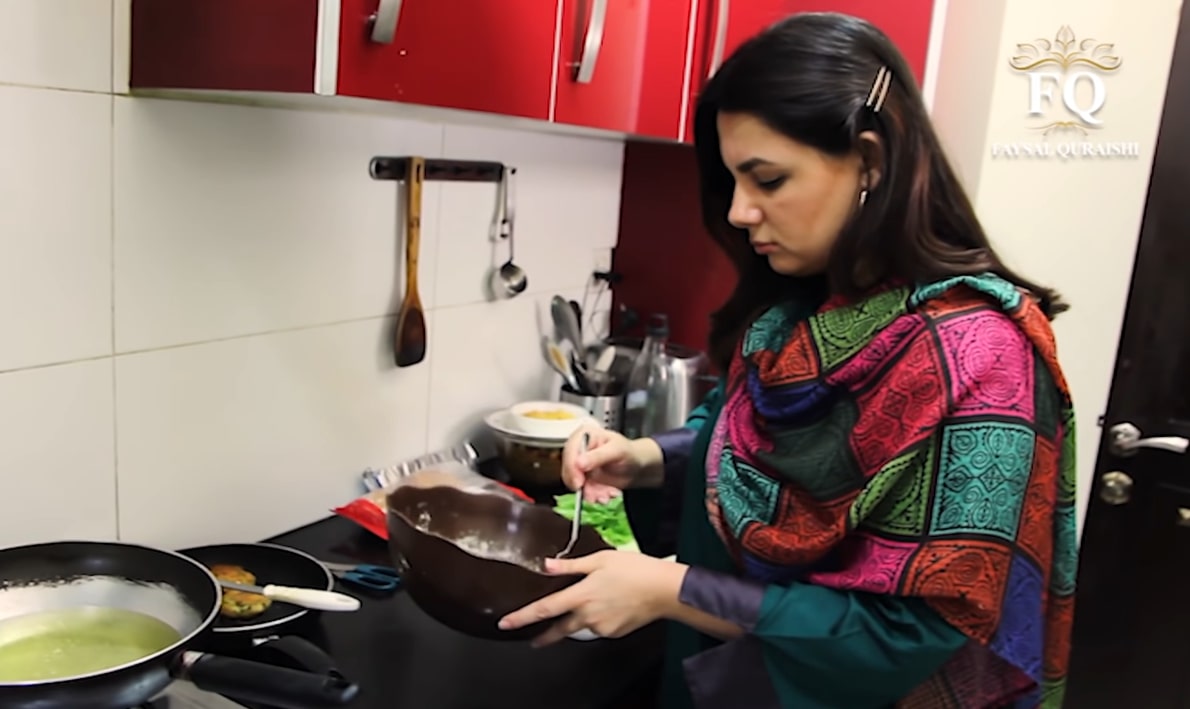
pixel 370 510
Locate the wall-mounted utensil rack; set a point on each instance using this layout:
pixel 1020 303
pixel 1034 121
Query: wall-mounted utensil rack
pixel 397 168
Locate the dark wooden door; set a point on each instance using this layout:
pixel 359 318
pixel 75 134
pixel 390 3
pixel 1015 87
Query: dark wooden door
pixel 1131 645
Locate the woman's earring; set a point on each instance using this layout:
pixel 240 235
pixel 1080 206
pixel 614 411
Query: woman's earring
pixel 863 197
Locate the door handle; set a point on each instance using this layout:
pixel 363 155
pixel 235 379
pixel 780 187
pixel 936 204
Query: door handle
pixel 1126 440
pixel 1117 488
pixel 592 43
pixel 384 22
pixel 719 44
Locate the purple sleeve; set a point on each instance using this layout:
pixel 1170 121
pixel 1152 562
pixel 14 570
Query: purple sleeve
pixel 675 451
pixel 675 454
pixel 728 597
pixel 734 673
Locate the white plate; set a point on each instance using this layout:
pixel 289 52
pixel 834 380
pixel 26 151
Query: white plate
pixel 499 421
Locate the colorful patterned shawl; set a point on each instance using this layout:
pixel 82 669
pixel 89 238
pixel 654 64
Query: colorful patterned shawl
pixel 918 442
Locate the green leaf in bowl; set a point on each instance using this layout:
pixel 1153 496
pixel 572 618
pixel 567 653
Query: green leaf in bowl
pixel 610 519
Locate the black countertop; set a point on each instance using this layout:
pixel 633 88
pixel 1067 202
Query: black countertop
pixel 403 659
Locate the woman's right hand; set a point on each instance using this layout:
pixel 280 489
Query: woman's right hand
pixel 611 463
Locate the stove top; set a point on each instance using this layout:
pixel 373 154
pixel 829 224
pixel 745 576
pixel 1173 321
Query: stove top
pixel 183 695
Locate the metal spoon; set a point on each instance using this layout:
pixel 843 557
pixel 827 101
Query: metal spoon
pixel 512 278
pixel 566 322
pixel 561 364
pixel 576 521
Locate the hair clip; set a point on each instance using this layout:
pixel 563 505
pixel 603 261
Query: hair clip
pixel 879 90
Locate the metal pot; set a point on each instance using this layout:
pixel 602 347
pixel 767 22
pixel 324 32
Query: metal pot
pixel 163 585
pixel 689 377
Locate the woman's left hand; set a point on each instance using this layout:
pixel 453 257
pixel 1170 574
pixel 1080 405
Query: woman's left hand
pixel 622 591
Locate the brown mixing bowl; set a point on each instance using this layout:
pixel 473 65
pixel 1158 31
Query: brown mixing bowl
pixel 461 589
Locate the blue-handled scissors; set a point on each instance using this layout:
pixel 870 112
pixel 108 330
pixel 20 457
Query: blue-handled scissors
pixel 372 576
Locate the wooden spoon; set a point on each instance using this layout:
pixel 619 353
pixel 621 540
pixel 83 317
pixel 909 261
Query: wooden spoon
pixel 411 321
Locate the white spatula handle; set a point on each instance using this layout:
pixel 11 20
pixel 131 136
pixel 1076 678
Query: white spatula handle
pixel 311 598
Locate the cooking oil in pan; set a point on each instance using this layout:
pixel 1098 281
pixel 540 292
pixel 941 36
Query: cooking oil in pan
pixel 68 642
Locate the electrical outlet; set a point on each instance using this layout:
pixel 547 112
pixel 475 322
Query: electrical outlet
pixel 602 260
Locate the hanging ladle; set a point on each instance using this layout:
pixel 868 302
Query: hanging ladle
pixel 510 279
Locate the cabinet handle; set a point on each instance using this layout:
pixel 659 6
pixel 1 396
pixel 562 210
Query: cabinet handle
pixel 722 18
pixel 384 22
pixel 592 43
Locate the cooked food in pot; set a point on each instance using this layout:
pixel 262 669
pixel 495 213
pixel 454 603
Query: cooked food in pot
pixel 240 605
pixel 531 465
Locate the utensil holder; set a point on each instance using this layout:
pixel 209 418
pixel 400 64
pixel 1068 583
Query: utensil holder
pixel 607 410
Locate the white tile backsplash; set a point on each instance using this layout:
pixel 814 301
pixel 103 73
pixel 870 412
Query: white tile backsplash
pixel 62 44
pixel 484 357
pixel 260 433
pixel 236 271
pixel 504 360
pixel 56 457
pixel 233 220
pixel 55 226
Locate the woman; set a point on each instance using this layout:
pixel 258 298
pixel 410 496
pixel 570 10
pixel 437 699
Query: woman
pixel 876 504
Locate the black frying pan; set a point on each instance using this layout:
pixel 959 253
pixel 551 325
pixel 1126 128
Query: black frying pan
pixel 167 586
pixel 271 564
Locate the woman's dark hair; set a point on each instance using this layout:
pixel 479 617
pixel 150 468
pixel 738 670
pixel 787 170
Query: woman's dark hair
pixel 808 77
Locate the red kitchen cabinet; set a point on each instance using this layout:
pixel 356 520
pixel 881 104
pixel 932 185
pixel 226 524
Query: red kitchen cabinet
pixel 660 96
pixel 629 66
pixel 723 25
pixel 600 63
pixel 907 23
pixel 479 56
pixel 610 64
pixel 622 65
pixel 737 21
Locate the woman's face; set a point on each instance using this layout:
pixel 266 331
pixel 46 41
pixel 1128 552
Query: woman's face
pixel 792 199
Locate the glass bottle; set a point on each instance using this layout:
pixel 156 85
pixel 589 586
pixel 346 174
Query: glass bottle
pixel 647 389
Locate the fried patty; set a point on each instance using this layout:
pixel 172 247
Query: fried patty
pixel 239 604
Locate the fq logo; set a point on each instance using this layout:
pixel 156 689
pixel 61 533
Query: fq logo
pixel 1066 91
pixel 1070 68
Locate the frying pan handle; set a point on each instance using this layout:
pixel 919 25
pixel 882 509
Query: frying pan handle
pixel 300 653
pixel 279 687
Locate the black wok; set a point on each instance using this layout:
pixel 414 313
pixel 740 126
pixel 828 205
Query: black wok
pixel 167 586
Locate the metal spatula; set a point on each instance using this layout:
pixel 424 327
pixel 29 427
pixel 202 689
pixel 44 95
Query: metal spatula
pixel 576 521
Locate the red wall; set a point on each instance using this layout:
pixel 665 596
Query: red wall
pixel 667 260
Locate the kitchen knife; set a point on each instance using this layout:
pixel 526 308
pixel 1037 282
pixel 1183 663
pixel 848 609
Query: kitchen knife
pixel 304 597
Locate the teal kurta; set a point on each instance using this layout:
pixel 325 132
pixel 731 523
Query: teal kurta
pixel 830 649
